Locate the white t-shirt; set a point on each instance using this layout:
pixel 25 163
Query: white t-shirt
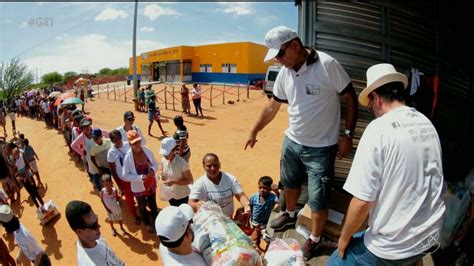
pixel 27 243
pixel 169 258
pixel 398 167
pixel 20 162
pixel 100 152
pixel 222 194
pixel 116 155
pixel 89 144
pixel 136 128
pixel 101 254
pixel 313 100
pixel 174 171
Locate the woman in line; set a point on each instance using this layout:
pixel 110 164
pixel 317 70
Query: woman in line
pixel 176 175
pixel 139 168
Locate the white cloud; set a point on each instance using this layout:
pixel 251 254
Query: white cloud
pixel 147 29
pixel 91 52
pixel 236 8
pixel 62 36
pixel 154 11
pixel 110 14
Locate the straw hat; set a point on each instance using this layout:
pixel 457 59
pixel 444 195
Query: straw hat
pixel 377 76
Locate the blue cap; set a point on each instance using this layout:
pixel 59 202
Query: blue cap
pixel 96 132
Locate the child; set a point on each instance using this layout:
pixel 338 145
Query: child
pixel 110 197
pixel 31 157
pixel 262 204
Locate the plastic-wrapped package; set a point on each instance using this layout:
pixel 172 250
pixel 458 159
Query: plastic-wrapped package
pixel 284 252
pixel 220 240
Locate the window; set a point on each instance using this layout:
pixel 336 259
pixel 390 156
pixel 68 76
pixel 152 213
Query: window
pixel 205 68
pixel 229 68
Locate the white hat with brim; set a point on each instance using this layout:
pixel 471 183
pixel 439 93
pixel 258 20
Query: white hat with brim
pixel 275 38
pixel 377 76
pixel 6 213
pixel 167 145
pixel 173 221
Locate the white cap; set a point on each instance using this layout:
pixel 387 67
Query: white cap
pixel 167 145
pixel 6 213
pixel 173 221
pixel 275 38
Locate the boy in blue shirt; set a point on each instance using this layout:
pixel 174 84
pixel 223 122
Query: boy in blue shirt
pixel 262 203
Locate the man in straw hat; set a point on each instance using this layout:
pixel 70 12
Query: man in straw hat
pixel 311 83
pixel 397 176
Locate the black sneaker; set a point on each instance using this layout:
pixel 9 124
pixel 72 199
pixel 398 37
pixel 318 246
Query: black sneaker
pixel 309 249
pixel 282 221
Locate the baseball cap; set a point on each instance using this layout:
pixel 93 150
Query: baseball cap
pixel 6 213
pixel 76 112
pixel 132 136
pixel 173 221
pixel 128 115
pixel 275 38
pixel 167 145
pixel 96 132
pixel 85 122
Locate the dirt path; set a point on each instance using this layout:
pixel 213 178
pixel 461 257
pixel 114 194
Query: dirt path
pixel 223 131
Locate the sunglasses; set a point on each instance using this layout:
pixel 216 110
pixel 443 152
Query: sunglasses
pixel 131 119
pixel 282 51
pixel 93 226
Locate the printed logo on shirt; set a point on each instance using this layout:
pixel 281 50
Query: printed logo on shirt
pixel 312 89
pixel 222 198
pixel 426 239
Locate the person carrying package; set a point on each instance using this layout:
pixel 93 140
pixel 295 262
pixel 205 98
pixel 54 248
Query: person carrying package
pixel 173 227
pixel 396 179
pixel 313 84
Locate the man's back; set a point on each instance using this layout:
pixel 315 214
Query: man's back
pixel 398 167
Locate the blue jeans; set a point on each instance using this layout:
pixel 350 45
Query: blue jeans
pixel 316 164
pixel 358 254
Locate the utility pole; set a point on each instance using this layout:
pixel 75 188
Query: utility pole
pixel 135 81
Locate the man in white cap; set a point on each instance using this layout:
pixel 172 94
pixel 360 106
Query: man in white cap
pixel 397 176
pixel 311 83
pixel 173 227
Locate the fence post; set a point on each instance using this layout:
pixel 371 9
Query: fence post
pixel 125 90
pixel 166 100
pixel 115 94
pixel 210 97
pixel 98 91
pixel 173 98
pixel 238 92
pixel 223 95
pixel 248 89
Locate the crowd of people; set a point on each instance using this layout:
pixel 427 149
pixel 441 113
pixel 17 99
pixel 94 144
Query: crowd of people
pixel 396 178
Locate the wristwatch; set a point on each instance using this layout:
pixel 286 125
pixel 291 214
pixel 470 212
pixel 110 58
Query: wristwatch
pixel 348 133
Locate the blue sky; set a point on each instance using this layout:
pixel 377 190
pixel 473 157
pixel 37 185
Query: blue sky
pixel 89 36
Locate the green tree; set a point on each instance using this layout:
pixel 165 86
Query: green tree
pixel 52 78
pixel 120 71
pixel 69 74
pixel 105 71
pixel 14 77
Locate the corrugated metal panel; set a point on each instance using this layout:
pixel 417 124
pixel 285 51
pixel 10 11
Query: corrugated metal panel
pixel 365 16
pixel 410 27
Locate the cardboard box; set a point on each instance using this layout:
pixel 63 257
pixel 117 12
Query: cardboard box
pixel 337 213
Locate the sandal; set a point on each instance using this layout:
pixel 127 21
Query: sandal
pixel 114 233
